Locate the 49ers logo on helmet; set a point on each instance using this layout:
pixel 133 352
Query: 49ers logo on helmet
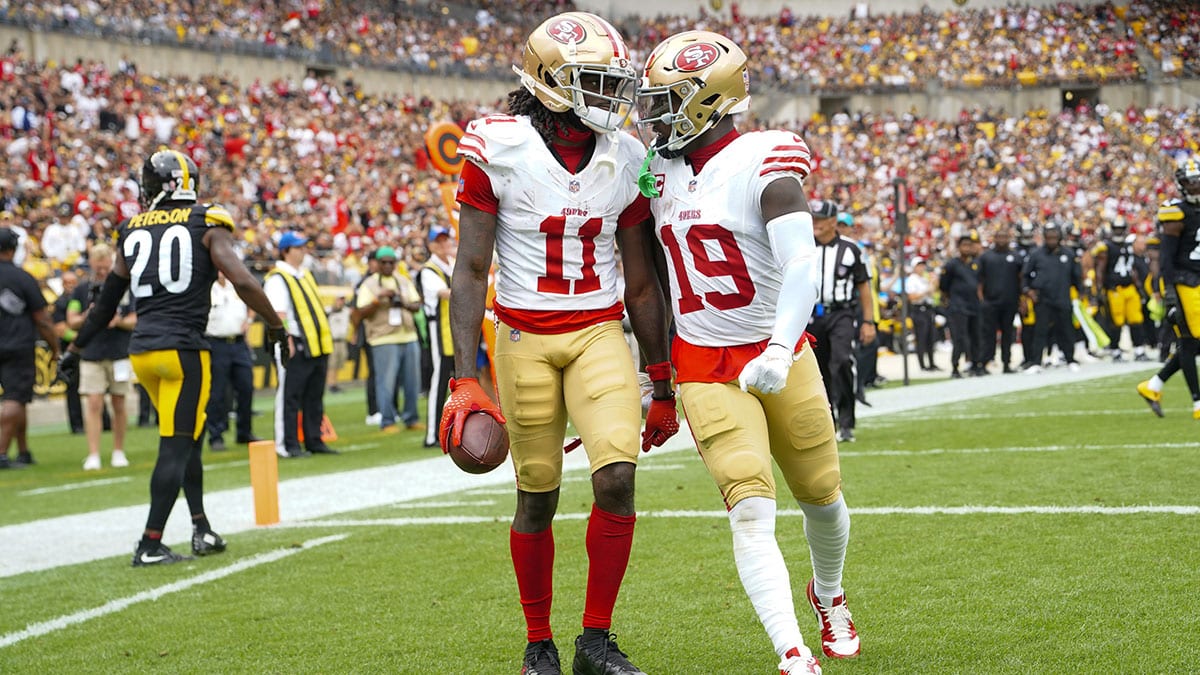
pixel 566 31
pixel 697 57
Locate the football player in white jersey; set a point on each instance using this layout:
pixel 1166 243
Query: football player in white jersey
pixel 552 186
pixel 737 243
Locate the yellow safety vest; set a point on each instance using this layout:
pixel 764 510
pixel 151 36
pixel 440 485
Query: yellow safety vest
pixel 443 313
pixel 310 314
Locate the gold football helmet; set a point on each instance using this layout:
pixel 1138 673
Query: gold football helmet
pixel 577 61
pixel 690 82
pixel 1187 177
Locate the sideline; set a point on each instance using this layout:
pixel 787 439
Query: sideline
pixel 85 537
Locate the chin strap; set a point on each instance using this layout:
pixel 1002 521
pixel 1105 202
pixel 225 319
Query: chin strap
pixel 646 179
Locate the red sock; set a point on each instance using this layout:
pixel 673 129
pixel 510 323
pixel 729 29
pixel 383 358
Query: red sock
pixel 609 539
pixel 533 561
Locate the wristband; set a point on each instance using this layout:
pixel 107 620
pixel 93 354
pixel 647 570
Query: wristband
pixel 659 372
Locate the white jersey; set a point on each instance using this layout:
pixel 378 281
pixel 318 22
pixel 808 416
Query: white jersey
pixel 724 278
pixel 556 231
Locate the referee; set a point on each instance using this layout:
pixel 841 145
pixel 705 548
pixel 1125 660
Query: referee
pixel 841 318
pixel 22 312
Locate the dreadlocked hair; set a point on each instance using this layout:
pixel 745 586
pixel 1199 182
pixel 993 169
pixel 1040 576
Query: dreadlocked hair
pixel 522 102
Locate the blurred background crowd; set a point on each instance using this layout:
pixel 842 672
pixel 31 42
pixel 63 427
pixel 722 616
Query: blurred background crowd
pixel 351 170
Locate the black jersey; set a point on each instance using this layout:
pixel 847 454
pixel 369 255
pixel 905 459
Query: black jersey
pixel 1187 256
pixel 1119 262
pixel 171 274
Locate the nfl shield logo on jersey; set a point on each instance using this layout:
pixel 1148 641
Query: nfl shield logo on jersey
pixel 692 185
pixel 573 186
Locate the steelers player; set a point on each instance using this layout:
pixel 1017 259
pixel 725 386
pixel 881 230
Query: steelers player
pixel 167 258
pixel 553 187
pixel 1179 269
pixel 1120 284
pixel 737 240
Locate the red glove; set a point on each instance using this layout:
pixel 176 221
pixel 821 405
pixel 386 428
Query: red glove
pixel 662 422
pixel 466 397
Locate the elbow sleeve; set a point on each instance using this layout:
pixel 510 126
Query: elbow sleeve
pixel 795 253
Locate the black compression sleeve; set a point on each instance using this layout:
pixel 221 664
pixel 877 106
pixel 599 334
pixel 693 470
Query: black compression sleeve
pixel 102 312
pixel 1166 259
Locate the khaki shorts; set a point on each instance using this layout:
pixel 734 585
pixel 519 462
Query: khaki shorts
pixel 105 377
pixel 739 433
pixel 587 376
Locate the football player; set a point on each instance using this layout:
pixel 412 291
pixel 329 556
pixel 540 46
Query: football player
pixel 1120 286
pixel 167 257
pixel 551 186
pixel 1179 268
pixel 736 235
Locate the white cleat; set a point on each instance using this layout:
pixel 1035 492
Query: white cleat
pixel 839 639
pixel 92 463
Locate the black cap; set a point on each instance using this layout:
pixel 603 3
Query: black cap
pixel 9 239
pixel 823 209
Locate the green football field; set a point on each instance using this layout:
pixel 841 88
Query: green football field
pixel 1049 530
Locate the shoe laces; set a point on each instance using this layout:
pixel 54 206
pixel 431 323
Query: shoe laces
pixel 837 618
pixel 608 646
pixel 541 655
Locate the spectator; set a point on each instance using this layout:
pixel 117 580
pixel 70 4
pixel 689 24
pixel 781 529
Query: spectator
pixel 387 302
pixel 339 327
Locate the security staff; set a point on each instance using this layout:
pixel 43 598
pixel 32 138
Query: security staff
pixel 435 289
pixel 960 292
pixel 1050 273
pixel 228 321
pixel 294 295
pixel 23 315
pixel 1000 287
pixel 839 318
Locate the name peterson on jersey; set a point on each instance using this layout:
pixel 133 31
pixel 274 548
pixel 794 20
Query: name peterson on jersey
pixel 724 279
pixel 556 231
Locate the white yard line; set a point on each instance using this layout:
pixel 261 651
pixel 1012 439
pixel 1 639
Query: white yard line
pixel 112 532
pixel 73 486
pixel 112 606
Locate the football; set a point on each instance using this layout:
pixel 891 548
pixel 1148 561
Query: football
pixel 484 444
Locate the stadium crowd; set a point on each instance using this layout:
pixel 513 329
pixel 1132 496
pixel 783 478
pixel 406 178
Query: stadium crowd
pixel 996 47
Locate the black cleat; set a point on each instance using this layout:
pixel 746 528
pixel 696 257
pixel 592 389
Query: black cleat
pixel 216 444
pixel 541 658
pixel 207 543
pixel 602 657
pixel 158 554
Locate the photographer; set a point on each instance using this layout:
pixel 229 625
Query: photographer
pixel 386 302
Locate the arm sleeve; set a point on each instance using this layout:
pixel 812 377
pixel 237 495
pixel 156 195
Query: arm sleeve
pixel 795 252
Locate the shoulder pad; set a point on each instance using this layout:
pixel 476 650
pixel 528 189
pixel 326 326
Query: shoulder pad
pixel 487 139
pixel 217 216
pixel 1170 211
pixel 782 152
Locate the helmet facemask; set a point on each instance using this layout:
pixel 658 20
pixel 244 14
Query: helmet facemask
pixel 577 62
pixel 690 83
